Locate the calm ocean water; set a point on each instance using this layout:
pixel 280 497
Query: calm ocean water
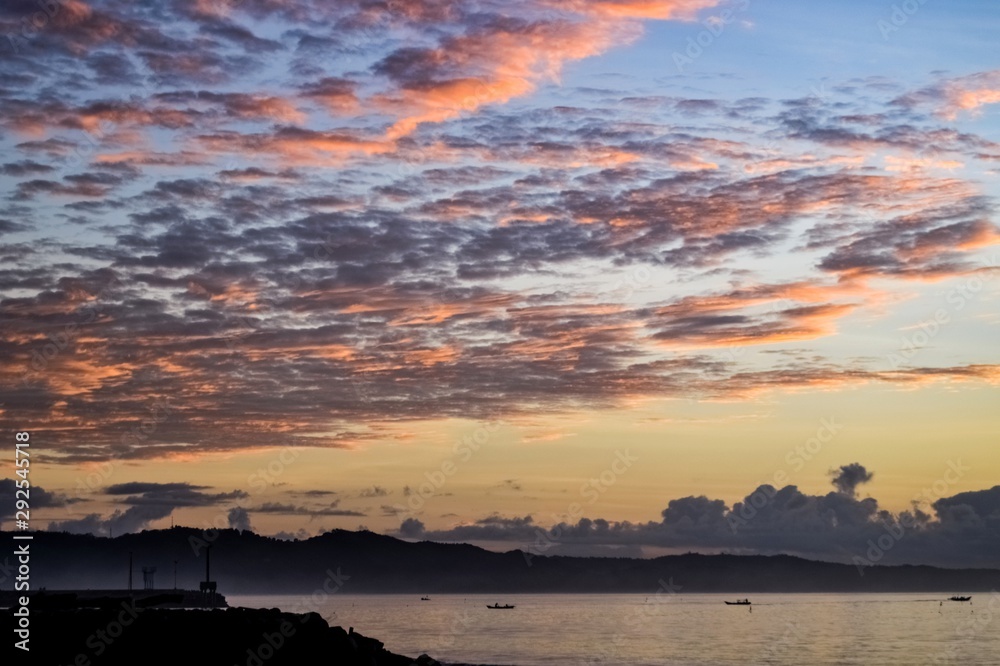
pixel 688 629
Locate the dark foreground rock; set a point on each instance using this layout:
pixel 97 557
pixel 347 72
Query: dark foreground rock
pixel 132 636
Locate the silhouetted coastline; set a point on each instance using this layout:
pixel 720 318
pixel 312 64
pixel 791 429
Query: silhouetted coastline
pixel 128 635
pixel 364 562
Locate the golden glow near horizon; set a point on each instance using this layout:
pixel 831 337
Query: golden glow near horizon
pixel 544 466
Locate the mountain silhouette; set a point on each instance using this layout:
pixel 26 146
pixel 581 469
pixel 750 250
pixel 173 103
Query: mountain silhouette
pixel 363 562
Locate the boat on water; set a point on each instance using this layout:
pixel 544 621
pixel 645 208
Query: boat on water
pixel 739 602
pixel 425 598
pixel 959 598
pixel 499 607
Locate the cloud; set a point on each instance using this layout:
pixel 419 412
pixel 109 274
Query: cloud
pixel 239 519
pixel 689 513
pixel 133 519
pixel 338 95
pixel 397 227
pixel 92 523
pixel 140 487
pixel 847 478
pixel 964 529
pixel 39 498
pixel 298 535
pixel 311 511
pixel 411 528
pixel 170 494
pixel 148 502
pixel 951 96
pixel 974 506
pixel 496 519
pixel 25 168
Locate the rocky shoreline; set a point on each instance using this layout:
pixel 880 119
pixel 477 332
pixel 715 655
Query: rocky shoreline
pixel 129 635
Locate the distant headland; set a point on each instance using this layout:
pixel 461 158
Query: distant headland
pixel 365 562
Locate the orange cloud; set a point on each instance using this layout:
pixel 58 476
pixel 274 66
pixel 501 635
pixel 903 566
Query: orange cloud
pixel 295 145
pixel 503 60
pixel 735 318
pixel 637 9
pixel 964 93
pixel 897 163
pixel 154 158
pixel 971 92
pixel 748 384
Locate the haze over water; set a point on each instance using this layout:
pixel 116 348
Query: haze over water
pixel 683 629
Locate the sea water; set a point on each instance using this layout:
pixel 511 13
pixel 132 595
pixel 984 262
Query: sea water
pixel 684 629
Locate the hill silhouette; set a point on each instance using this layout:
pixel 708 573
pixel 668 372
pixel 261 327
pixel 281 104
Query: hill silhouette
pixel 365 562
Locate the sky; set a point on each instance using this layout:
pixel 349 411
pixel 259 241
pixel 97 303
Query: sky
pixel 582 277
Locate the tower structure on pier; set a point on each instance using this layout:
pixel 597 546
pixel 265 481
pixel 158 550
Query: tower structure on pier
pixel 208 586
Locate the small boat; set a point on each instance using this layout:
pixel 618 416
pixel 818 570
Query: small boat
pixel 959 598
pixel 738 602
pixel 498 606
pixel 425 598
